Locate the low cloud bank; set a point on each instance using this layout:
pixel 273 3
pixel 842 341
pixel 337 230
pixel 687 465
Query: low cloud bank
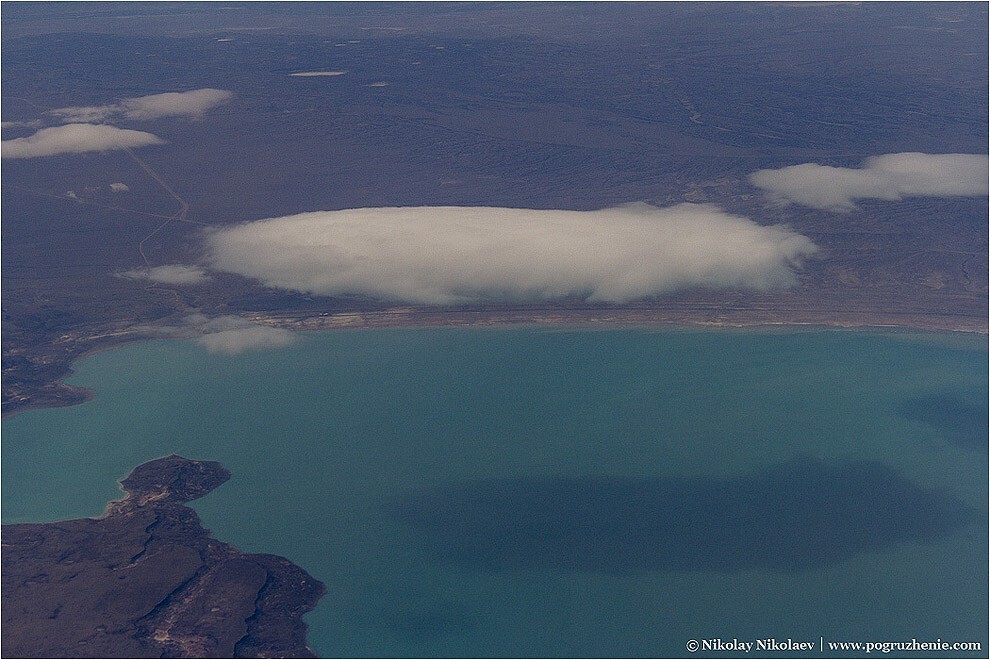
pixel 451 255
pixel 171 274
pixel 192 104
pixel 889 177
pixel 75 139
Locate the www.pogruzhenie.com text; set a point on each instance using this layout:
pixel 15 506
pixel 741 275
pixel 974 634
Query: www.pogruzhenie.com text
pixel 822 645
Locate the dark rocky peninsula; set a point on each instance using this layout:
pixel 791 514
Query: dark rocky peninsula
pixel 146 580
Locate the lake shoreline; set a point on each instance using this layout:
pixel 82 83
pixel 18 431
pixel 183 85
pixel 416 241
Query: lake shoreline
pixel 347 446
pixel 56 394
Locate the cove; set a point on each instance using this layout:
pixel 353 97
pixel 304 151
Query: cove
pixel 568 492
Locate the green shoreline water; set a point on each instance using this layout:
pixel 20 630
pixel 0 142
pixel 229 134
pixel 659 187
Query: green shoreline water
pixel 321 434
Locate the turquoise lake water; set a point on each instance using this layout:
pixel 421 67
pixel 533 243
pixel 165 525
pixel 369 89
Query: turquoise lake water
pixel 567 492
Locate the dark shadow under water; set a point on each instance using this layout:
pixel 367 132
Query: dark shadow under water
pixel 963 423
pixel 799 515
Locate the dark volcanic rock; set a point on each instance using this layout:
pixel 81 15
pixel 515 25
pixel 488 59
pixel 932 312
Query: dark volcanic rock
pixel 145 580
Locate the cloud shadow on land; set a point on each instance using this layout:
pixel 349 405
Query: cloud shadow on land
pixel 800 515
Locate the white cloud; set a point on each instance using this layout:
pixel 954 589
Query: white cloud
pixel 239 340
pixel 175 104
pixel 119 187
pixel 171 274
pixel 85 114
pixel 74 139
pixel 229 335
pixel 192 104
pixel 889 177
pixel 450 255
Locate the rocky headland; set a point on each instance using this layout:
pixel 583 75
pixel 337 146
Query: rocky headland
pixel 146 580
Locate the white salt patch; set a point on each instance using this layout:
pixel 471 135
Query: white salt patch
pixel 313 74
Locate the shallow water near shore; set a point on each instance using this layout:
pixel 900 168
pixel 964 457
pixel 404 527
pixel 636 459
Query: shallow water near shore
pixel 533 492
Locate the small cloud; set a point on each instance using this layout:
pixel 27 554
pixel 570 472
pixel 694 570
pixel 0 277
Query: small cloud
pixel 175 104
pixel 119 187
pixel 231 335
pixel 75 139
pixel 239 340
pixel 454 255
pixel 890 177
pixel 171 274
pixel 228 335
pixel 192 104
